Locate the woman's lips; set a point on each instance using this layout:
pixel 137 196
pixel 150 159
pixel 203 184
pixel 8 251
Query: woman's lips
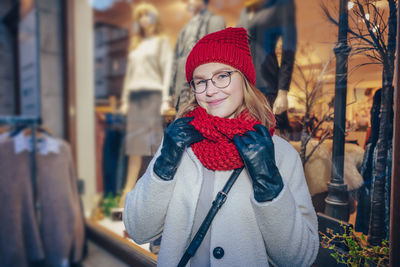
pixel 215 102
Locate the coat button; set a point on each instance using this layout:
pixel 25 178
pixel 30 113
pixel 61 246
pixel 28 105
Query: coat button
pixel 218 252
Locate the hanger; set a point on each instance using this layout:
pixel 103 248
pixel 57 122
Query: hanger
pixel 14 132
pixel 41 131
pixel 45 130
pixel 4 129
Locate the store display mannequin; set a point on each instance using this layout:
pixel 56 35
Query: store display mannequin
pixel 202 23
pixel 145 89
pixel 266 21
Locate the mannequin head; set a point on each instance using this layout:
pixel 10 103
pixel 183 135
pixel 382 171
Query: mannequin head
pixel 146 23
pixel 195 6
pixel 147 18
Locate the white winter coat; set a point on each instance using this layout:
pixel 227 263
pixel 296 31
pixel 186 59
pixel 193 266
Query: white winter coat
pixel 283 231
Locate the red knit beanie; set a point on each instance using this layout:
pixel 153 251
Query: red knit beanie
pixel 229 46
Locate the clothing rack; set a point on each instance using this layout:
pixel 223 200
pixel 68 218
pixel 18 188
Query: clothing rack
pixel 33 123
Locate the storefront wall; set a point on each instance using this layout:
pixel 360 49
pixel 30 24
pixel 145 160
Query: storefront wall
pixel 51 65
pixel 84 97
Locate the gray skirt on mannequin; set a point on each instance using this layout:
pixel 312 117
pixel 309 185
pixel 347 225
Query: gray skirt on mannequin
pixel 144 129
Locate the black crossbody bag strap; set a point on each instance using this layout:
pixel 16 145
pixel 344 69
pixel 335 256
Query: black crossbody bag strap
pixel 205 225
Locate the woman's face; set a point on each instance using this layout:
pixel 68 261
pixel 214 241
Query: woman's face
pixel 221 102
pixel 147 20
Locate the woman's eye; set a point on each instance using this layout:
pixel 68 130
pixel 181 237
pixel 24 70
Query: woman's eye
pixel 222 75
pixel 201 82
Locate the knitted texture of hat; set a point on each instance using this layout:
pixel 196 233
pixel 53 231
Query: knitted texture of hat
pixel 229 46
pixel 217 151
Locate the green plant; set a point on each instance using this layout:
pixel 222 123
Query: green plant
pixel 108 202
pixel 356 250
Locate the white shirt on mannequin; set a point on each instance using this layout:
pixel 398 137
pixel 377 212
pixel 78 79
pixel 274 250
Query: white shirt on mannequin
pixel 148 68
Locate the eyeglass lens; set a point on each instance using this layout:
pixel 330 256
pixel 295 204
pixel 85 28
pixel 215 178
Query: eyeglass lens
pixel 220 80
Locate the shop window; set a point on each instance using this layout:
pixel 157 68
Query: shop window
pixel 296 55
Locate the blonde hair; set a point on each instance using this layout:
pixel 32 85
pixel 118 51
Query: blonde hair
pixel 140 10
pixel 254 102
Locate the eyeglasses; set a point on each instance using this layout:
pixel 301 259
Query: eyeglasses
pixel 221 80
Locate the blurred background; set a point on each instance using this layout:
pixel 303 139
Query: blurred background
pixel 88 86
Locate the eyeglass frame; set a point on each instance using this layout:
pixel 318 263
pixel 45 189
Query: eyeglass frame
pixel 211 79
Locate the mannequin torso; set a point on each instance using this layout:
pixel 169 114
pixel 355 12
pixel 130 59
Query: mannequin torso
pixel 202 23
pixel 266 22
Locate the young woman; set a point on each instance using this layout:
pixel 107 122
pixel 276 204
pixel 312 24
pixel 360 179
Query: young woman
pixel 268 216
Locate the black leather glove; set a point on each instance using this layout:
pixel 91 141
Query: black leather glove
pixel 257 151
pixel 177 137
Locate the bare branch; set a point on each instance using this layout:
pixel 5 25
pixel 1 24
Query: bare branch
pixel 371 31
pixel 325 118
pixel 368 25
pixel 365 64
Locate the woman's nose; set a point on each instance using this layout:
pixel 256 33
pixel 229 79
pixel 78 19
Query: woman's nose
pixel 211 89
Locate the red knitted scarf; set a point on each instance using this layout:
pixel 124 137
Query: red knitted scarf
pixel 216 151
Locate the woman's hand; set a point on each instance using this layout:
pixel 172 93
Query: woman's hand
pixel 257 151
pixel 177 137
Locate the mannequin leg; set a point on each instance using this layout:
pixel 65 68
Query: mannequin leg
pixel 135 163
